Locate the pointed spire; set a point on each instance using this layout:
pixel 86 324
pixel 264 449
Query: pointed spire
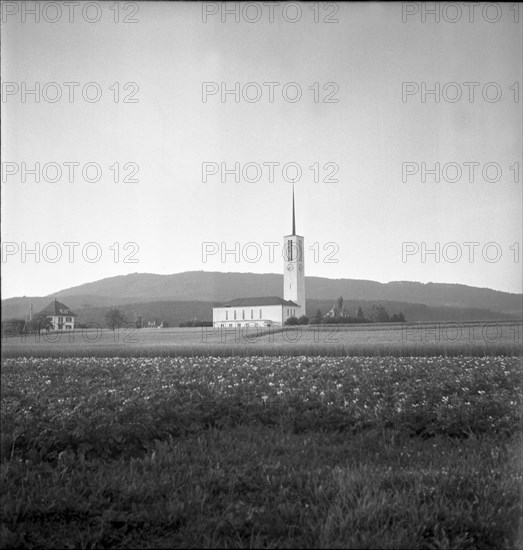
pixel 293 214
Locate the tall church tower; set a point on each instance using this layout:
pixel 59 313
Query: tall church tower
pixel 294 266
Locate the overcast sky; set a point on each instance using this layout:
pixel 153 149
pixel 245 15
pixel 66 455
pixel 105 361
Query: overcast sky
pixel 377 124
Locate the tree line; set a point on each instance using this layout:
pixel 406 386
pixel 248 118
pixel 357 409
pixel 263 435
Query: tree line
pixel 377 314
pixel 114 319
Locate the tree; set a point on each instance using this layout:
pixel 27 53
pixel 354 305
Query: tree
pixel 340 304
pixel 11 327
pixel 291 321
pixel 379 314
pixel 398 318
pixel 316 319
pixel 114 318
pixel 39 323
pixel 303 320
pixel 360 315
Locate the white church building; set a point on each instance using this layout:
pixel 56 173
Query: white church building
pixel 271 310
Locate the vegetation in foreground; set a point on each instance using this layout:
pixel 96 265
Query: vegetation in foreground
pixel 275 452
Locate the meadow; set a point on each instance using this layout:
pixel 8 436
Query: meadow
pixel 287 450
pixel 425 339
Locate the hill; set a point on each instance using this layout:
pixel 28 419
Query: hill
pixel 424 301
pixel 210 286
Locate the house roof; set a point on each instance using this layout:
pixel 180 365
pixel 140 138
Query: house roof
pixel 261 301
pixel 57 308
pixel 336 311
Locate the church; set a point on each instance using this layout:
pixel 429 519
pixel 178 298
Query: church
pixel 271 310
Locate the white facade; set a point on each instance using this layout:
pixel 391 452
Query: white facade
pixel 62 322
pixel 294 272
pixel 252 315
pixel 60 316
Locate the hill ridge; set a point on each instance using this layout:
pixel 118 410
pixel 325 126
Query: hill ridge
pixel 217 287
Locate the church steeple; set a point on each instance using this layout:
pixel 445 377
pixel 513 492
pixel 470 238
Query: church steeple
pixel 294 267
pixel 293 214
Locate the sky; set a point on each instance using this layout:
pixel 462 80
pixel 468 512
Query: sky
pixel 149 134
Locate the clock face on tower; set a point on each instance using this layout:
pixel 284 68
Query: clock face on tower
pixel 290 267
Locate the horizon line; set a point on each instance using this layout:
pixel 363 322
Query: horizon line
pixel 257 274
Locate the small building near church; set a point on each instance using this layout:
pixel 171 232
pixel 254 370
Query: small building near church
pixel 336 312
pixel 254 312
pixel 61 317
pixel 155 324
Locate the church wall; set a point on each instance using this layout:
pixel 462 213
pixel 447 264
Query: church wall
pixel 269 315
pixel 298 312
pixel 275 315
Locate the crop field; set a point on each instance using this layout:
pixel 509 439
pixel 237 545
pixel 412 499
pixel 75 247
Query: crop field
pixel 272 451
pixel 471 338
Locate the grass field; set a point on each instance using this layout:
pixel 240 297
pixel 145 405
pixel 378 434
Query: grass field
pixel 258 451
pixel 488 338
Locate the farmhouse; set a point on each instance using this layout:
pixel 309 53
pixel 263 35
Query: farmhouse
pixel 337 312
pixel 155 324
pixel 271 310
pixel 59 314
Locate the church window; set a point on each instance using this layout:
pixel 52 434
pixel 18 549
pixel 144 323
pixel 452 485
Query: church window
pixel 289 250
pixel 260 313
pixel 226 315
pixel 243 314
pixel 252 313
pixel 235 315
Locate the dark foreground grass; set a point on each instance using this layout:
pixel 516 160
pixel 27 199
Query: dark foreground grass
pixel 369 452
pixel 255 486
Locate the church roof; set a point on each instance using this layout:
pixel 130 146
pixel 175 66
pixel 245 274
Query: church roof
pixel 57 308
pixel 261 301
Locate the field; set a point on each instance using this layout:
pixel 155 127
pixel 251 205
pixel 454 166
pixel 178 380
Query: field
pixel 245 450
pixel 487 338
